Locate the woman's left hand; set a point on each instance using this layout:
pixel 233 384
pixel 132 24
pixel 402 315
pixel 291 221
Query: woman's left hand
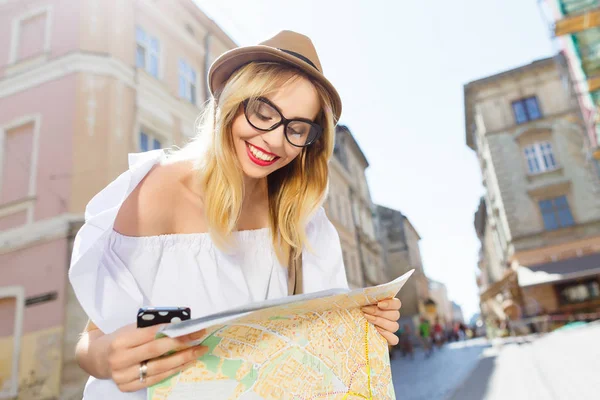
pixel 385 315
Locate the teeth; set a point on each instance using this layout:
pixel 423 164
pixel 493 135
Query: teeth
pixel 260 155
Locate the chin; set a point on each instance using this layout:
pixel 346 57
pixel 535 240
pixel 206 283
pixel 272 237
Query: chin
pixel 254 172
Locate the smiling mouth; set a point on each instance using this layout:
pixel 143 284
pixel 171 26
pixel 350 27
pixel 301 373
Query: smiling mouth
pixel 260 157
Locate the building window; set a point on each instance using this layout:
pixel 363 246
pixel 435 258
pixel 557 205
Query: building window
pixel 347 214
pixel 526 110
pixel 17 163
pixel 579 292
pixel 149 142
pixel 340 210
pixel 147 52
pixel 556 213
pixel 31 34
pixel 187 82
pixel 540 158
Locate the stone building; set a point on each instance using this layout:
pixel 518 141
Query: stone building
pixel 457 313
pixel 491 269
pixel 574 28
pixel 82 83
pixel 351 210
pixel 542 200
pixel 443 305
pixel 400 243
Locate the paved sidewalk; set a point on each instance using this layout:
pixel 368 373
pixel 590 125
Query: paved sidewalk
pixel 437 377
pixel 559 366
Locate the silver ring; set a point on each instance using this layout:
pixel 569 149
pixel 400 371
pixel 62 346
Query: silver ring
pixel 143 371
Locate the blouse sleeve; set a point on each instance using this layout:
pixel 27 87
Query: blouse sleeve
pixel 322 261
pixel 109 295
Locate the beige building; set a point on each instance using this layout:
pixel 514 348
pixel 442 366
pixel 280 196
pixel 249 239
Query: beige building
pixel 351 210
pixel 400 242
pixel 339 211
pixel 81 85
pixel 542 201
pixel 443 306
pixel 492 269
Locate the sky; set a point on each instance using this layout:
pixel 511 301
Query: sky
pixel 400 67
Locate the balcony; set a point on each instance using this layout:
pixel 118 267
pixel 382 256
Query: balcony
pixel 577 23
pixel 594 83
pixel 577 6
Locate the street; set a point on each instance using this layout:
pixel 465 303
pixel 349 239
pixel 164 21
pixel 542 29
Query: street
pixel 562 365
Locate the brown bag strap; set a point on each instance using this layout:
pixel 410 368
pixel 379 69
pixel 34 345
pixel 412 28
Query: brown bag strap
pixel 295 274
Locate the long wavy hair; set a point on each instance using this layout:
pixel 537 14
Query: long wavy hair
pixel 295 191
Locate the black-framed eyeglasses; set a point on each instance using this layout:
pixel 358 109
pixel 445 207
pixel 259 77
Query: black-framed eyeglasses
pixel 265 116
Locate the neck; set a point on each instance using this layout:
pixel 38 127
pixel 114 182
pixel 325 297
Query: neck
pixel 254 189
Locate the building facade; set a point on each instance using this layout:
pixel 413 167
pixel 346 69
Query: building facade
pixel 576 28
pixel 339 210
pixel 351 210
pixel 81 85
pixel 457 313
pixel 542 202
pixel 492 270
pixel 444 312
pixel 400 243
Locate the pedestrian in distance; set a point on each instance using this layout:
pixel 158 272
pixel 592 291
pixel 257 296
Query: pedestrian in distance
pixel 438 333
pixel 425 333
pixel 406 342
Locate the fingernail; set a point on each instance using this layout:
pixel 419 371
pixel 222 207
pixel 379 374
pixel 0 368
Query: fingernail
pixel 200 351
pixel 369 317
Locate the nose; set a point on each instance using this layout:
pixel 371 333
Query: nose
pixel 274 139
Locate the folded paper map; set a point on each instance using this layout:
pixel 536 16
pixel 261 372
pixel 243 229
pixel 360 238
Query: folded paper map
pixel 311 346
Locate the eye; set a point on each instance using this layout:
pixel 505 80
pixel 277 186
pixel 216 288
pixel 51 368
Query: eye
pixel 293 132
pixel 264 111
pixel 298 128
pixel 262 117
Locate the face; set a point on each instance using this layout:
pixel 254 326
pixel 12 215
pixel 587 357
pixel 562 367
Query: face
pixel 262 152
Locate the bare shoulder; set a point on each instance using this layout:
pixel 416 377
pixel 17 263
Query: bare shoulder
pixel 149 209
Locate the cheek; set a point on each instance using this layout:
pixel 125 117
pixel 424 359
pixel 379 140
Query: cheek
pixel 238 127
pixel 291 153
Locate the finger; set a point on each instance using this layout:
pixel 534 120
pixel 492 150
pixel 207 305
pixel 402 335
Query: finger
pixel 130 336
pixel 160 365
pixel 146 351
pixel 157 348
pixel 136 385
pixel 393 315
pixel 390 337
pixel 390 326
pixel 390 304
pixel 390 315
pixel 373 310
pixel 193 336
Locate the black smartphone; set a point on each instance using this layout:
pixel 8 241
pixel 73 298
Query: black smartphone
pixel 149 316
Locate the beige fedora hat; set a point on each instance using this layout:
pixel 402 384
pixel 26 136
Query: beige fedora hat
pixel 286 47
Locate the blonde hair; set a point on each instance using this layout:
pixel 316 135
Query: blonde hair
pixel 295 191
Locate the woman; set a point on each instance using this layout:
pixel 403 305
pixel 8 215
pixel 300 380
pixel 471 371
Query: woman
pixel 216 224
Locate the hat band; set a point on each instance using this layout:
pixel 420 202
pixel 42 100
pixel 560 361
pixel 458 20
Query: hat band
pixel 300 56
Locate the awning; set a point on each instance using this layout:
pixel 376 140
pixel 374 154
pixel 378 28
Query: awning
pixel 558 271
pixel 495 288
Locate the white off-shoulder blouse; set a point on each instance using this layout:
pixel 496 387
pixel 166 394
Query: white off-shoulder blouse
pixel 113 275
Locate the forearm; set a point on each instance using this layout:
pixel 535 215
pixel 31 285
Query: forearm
pixel 91 353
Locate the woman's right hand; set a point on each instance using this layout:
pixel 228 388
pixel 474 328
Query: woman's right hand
pixel 130 346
